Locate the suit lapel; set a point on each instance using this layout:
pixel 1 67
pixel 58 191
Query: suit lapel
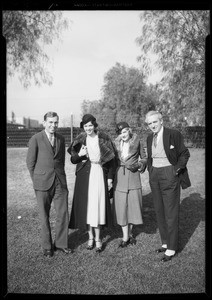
pixel 57 143
pixel 166 138
pixel 149 145
pixel 46 141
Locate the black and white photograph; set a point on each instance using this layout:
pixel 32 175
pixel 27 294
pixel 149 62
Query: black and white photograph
pixel 105 151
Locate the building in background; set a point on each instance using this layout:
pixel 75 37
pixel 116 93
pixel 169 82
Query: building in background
pixel 26 122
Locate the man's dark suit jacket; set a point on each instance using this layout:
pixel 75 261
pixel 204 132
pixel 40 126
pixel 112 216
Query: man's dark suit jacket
pixel 43 164
pixel 176 153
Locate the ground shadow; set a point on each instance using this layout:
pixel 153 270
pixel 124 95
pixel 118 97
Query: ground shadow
pixel 192 212
pixel 77 238
pixel 149 225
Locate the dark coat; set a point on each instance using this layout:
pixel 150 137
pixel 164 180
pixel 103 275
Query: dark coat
pixel 176 153
pixel 80 197
pixel 43 164
pixel 127 175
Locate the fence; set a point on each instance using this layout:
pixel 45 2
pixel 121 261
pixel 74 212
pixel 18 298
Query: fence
pixel 193 136
pixel 20 137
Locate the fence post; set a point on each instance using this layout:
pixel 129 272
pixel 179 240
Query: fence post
pixel 71 127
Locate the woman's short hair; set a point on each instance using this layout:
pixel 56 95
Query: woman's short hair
pixel 88 118
pixel 122 125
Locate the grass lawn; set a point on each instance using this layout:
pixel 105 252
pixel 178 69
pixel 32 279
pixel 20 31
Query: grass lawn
pixel 133 270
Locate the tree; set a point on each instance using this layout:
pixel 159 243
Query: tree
pixel 178 39
pixel 26 32
pixel 126 92
pixel 125 96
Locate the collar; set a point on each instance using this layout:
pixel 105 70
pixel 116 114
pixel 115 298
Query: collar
pixel 48 135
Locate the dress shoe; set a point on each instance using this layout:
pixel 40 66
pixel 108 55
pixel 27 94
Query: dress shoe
pixel 48 253
pixel 167 258
pixel 124 244
pixel 162 249
pixel 98 246
pixel 64 250
pixel 90 245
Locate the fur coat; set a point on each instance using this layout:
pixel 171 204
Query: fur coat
pixel 83 166
pixel 107 152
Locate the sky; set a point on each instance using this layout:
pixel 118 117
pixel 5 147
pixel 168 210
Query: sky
pixel 94 43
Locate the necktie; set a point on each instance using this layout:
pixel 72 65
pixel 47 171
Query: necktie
pixel 51 139
pixel 155 139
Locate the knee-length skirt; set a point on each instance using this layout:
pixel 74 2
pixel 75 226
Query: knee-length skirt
pixel 128 207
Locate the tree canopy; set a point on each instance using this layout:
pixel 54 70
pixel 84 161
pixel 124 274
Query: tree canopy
pixel 178 39
pixel 125 96
pixel 26 32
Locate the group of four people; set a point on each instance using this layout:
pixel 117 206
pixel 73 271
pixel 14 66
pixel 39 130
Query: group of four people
pixel 103 165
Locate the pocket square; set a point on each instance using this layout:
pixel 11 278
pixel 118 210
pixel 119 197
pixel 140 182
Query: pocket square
pixel 171 147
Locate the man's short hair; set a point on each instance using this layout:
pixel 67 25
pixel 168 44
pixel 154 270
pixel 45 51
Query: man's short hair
pixel 151 113
pixel 50 114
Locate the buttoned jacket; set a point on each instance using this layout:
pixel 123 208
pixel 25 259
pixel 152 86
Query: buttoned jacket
pixel 43 164
pixel 127 174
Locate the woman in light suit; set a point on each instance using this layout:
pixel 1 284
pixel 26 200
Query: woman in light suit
pixel 131 160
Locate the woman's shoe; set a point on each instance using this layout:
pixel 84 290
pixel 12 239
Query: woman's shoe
pixel 124 244
pixel 90 245
pixel 132 240
pixel 98 246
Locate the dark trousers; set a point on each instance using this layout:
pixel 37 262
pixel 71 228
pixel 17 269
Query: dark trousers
pixel 59 195
pixel 165 188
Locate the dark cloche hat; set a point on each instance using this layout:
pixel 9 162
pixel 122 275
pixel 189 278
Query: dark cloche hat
pixel 88 118
pixel 120 126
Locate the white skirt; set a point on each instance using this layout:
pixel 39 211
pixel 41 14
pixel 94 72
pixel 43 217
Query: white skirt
pixel 96 197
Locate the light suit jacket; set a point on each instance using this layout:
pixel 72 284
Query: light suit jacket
pixel 127 174
pixel 43 164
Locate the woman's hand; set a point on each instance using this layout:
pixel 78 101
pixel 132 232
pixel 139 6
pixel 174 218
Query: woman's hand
pixel 141 168
pixel 83 151
pixel 110 184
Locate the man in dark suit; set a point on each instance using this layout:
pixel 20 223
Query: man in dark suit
pixel 167 159
pixel 45 162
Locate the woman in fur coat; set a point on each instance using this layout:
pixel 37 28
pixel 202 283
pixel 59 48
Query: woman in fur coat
pixel 132 161
pixel 94 154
